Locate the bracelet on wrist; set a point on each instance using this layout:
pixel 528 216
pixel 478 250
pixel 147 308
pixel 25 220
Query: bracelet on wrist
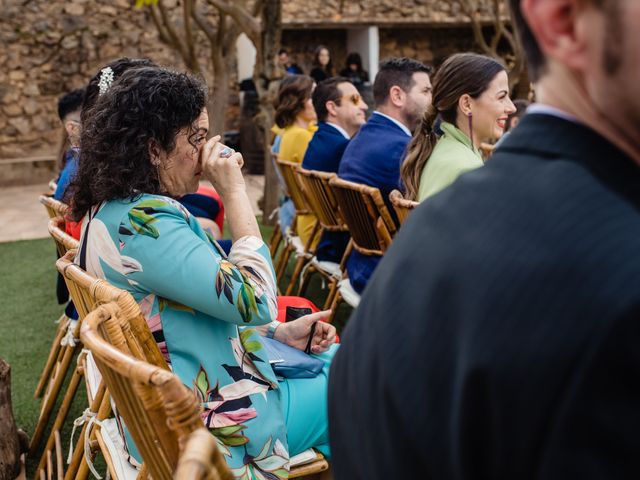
pixel 271 330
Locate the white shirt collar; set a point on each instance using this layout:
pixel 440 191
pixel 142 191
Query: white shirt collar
pixel 340 129
pixel 553 111
pixel 400 124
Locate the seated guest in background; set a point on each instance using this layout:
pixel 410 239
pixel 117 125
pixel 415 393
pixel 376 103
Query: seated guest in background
pixel 322 65
pixel 517 287
pixel 296 118
pixel 205 204
pixel 354 71
pixel 341 113
pixel 287 65
pixel 521 107
pixel 201 306
pixel 471 94
pixel 69 108
pixel 402 93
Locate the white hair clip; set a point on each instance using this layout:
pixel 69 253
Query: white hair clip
pixel 106 79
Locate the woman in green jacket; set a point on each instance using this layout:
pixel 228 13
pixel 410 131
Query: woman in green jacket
pixel 471 94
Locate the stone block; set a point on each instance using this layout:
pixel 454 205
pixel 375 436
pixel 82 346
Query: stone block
pixel 31 106
pixel 74 9
pixel 21 124
pixel 17 75
pixel 12 110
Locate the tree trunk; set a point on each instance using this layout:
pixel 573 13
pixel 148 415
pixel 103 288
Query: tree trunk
pixel 218 100
pixel 266 77
pixel 10 444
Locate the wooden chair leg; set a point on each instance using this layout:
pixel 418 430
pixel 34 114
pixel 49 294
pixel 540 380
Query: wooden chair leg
pixel 50 400
pixel 296 273
pixel 337 299
pixel 306 278
pixel 78 468
pixel 274 241
pixel 333 289
pixel 53 355
pixel 61 416
pixel 282 264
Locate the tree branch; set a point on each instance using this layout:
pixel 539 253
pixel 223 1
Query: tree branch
pixel 175 40
pixel 192 63
pixel 247 23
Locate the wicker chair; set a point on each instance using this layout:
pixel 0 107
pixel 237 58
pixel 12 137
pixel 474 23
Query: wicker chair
pixel 63 243
pixel 324 205
pixel 87 292
pixel 293 244
pixel 55 208
pixel 159 411
pixel 401 205
pixel 197 461
pixel 370 225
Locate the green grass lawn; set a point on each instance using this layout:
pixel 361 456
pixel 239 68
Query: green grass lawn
pixel 27 323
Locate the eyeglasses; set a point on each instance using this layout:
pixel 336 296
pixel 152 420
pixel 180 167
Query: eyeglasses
pixel 354 98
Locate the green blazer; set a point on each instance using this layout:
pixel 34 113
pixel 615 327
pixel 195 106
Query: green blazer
pixel 452 156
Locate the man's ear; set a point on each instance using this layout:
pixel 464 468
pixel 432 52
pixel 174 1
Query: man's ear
pixel 397 96
pixel 556 25
pixel 70 128
pixel 331 108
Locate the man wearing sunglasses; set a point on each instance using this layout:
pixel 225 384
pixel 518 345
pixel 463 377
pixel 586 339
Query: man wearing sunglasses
pixel 341 113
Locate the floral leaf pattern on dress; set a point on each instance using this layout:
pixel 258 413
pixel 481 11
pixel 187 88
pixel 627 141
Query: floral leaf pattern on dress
pixel 265 466
pixel 142 219
pixel 165 302
pixel 246 301
pixel 225 409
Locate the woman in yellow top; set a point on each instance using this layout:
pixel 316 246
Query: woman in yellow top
pixel 471 94
pixel 296 118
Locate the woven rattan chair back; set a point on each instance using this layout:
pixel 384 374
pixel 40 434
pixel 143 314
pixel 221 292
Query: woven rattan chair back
pixel 55 208
pixel 401 205
pixel 289 175
pixel 88 292
pixel 159 411
pixel 321 200
pixel 64 241
pixel 365 213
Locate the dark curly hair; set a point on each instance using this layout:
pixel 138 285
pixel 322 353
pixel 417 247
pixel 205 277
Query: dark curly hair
pixel 294 91
pixel 144 105
pixel 118 67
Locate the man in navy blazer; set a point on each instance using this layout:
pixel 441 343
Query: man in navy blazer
pixel 402 93
pixel 341 113
pixel 498 338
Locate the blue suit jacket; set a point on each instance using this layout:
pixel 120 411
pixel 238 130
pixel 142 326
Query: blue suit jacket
pixel 373 157
pixel 325 149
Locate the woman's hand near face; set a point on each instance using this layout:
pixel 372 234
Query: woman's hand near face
pixel 224 172
pixel 296 333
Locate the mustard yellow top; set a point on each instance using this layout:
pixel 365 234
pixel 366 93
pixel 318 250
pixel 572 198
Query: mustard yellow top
pixel 295 141
pixel 293 146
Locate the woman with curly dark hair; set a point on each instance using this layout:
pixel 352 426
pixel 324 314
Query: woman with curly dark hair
pixel 143 144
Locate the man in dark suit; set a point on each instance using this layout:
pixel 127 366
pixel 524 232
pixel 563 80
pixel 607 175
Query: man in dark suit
pixel 341 113
pixel 401 92
pixel 498 338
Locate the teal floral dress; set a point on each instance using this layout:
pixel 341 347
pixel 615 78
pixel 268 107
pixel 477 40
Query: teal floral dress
pixel 196 302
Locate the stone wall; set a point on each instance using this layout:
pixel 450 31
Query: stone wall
pixel 375 12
